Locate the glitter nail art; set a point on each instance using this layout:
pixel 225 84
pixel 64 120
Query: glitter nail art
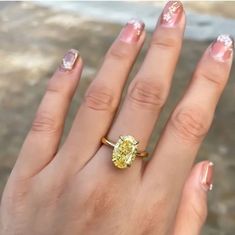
pixel 226 40
pixel 132 31
pixel 69 59
pixel 138 25
pixel 171 13
pixel 222 48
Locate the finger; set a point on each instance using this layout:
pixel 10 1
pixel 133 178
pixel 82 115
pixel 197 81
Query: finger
pixel 43 139
pixel 192 118
pixel 192 211
pixel 102 98
pixel 148 91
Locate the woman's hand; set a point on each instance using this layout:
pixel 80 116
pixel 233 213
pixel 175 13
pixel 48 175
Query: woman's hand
pixel 76 189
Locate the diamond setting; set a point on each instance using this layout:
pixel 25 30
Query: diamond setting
pixel 125 151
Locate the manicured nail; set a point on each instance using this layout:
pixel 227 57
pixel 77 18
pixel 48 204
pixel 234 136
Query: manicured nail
pixel 222 48
pixel 207 176
pixel 172 13
pixel 69 59
pixel 132 31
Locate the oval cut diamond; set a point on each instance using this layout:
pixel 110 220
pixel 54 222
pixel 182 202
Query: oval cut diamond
pixel 125 151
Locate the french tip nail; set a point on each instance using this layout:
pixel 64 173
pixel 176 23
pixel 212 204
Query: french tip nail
pixel 137 23
pixel 210 187
pixel 211 164
pixel 172 13
pixel 226 39
pixel 207 176
pixel 132 31
pixel 222 48
pixel 69 60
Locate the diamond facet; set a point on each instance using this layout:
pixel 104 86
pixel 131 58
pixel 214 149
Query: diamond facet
pixel 125 151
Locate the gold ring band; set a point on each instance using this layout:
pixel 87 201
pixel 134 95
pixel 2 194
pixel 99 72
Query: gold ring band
pixel 111 144
pixel 125 151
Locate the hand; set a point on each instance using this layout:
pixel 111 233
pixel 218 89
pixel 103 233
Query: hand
pixel 77 189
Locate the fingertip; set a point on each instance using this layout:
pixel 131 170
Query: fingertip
pixel 133 32
pixel 207 170
pixel 201 176
pixel 222 48
pixel 196 189
pixel 218 57
pixel 193 205
pixel 70 65
pixel 67 75
pixel 70 60
pixel 173 15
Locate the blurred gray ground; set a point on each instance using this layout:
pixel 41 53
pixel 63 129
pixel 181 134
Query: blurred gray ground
pixel 32 41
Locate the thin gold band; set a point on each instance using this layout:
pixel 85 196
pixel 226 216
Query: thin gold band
pixel 111 144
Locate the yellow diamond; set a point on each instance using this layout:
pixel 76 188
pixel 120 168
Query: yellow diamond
pixel 125 151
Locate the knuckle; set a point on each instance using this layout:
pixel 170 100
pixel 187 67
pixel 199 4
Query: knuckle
pixel 54 87
pixel 165 42
pixel 211 77
pixel 58 89
pixel 103 201
pixel 45 122
pixel 100 98
pixel 119 51
pixel 16 194
pixel 146 94
pixel 156 213
pixel 189 124
pixel 97 199
pixel 50 193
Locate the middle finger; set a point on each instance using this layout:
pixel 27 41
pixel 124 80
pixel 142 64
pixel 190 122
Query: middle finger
pixel 148 91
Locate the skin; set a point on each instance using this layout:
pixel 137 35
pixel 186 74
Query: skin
pixel 75 189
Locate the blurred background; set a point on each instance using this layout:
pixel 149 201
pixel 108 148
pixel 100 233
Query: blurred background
pixel 35 35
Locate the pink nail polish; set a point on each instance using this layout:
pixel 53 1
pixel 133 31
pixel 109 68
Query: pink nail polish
pixel 69 59
pixel 132 31
pixel 171 14
pixel 222 48
pixel 207 176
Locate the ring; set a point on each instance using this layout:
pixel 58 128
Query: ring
pixel 124 151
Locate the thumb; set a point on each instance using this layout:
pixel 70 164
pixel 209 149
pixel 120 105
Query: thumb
pixel 192 211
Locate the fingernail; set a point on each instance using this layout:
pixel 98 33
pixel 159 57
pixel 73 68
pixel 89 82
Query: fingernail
pixel 132 31
pixel 172 13
pixel 207 176
pixel 222 48
pixel 69 59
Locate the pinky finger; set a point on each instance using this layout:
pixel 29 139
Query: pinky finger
pixel 43 139
pixel 192 210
